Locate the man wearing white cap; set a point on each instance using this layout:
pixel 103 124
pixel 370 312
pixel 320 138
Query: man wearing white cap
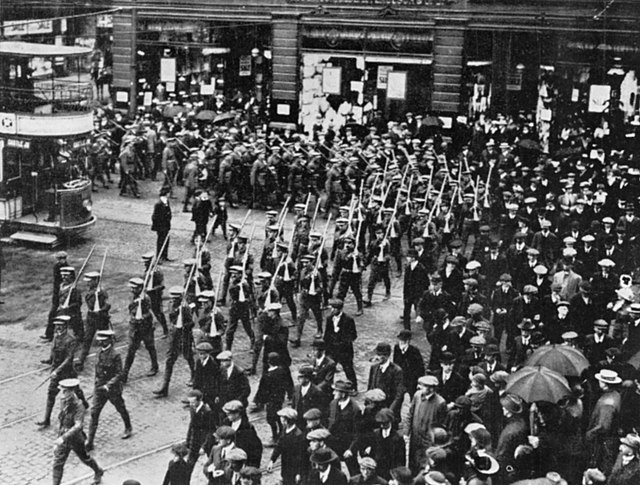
pixel 70 434
pixel 602 432
pixel 426 410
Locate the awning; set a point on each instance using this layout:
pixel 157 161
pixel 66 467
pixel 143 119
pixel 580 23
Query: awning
pixel 31 49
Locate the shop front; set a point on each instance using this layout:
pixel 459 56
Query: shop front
pixel 186 61
pixel 354 74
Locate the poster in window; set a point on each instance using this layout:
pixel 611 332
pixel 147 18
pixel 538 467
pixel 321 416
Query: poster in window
pixel 397 85
pixel 599 96
pixel 331 80
pixel 168 70
pixel 383 75
pixel 245 66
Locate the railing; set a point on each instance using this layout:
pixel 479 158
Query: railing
pixel 46 98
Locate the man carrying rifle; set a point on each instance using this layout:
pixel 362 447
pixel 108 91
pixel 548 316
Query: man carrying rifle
pixel 97 314
pixel 155 287
pixel 61 361
pixel 71 301
pixel 140 328
pixel 285 279
pixel 311 294
pixel 108 386
pixel 379 257
pixel 269 258
pixel 241 305
pixel 180 337
pixel 347 271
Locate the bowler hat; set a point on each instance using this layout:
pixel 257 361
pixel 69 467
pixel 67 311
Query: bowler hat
pixel 385 415
pixel 305 371
pixel 323 456
pixel 383 348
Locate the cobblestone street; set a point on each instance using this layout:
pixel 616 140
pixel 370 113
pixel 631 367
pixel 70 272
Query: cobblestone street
pixel 123 227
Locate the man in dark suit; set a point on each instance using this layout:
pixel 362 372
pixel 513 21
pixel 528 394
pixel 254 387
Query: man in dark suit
pixel 416 282
pixel 246 436
pixel 323 473
pixel 201 426
pixel 233 381
pixel 452 277
pixel 584 310
pixel 307 395
pixel 206 374
pixel 388 377
pixel 596 344
pixel 522 344
pixel 490 363
pixel 452 384
pixel 339 335
pixel 388 450
pixel 409 359
pixel 344 414
pixel 324 367
pixel 432 300
pixel 494 264
pixel 291 447
pixel 161 224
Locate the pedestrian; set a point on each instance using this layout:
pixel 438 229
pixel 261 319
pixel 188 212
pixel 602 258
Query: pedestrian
pixel 275 384
pixel 61 362
pixel 324 367
pixel 340 333
pixel 98 318
pixel 514 434
pixel 343 415
pixel 161 225
pixel 190 181
pixel 368 475
pixel 626 469
pixel 140 329
pixel 234 384
pixel 388 377
pixel 308 396
pixel 290 447
pixel 108 386
pixel 71 433
pixel 416 282
pixel 389 447
pixel 409 359
pixel 180 338
pixel 200 213
pixel 202 423
pixel 215 466
pixel 250 475
pixel 427 410
pixel 206 375
pixel 178 472
pixel 247 438
pixel 323 469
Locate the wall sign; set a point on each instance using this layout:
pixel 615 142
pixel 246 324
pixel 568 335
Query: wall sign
pixel 599 96
pixel 8 123
pixel 383 74
pixel 168 69
pixel 245 66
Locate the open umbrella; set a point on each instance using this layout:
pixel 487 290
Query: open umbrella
pixel 535 384
pixel 221 118
pixel 563 359
pixel 206 115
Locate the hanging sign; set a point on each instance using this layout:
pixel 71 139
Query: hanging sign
pixel 383 73
pixel 245 66
pixel 168 70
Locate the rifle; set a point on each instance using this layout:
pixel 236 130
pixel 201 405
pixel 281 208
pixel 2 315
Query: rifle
pixel 355 268
pixel 476 216
pixel 407 207
pixel 285 208
pixel 233 243
pixel 241 296
pixel 426 197
pixel 315 214
pixel 96 305
pixel 75 282
pixel 43 382
pixel 274 251
pixel 312 285
pixel 306 203
pixel 486 188
pixel 213 312
pixel 436 204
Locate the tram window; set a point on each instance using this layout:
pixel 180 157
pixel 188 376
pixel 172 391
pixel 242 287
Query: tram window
pixel 11 158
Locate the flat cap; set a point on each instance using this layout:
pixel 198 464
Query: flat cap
pixel 319 434
pixel 428 381
pixel 312 414
pixel 233 406
pixel 289 413
pixel 225 433
pixel 225 355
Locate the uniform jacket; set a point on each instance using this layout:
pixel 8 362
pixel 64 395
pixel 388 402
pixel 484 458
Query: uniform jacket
pixel 71 419
pixel 109 369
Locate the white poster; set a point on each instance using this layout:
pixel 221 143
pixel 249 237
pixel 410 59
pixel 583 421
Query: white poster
pixel 599 96
pixel 383 73
pixel 167 69
pixel 147 98
pixel 245 66
pixel 332 80
pixel 397 85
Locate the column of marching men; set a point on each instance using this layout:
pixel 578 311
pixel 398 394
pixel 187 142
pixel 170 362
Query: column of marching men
pixel 487 289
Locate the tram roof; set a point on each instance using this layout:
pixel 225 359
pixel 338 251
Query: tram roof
pixel 31 49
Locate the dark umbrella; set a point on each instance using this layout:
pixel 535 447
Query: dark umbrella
pixel 529 144
pixel 221 118
pixel 173 110
pixel 431 120
pixel 535 384
pixel 562 359
pixel 206 115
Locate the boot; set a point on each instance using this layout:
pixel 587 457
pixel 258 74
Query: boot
pixel 97 472
pixel 387 294
pixel 153 355
pixel 164 390
pixel 367 302
pixel 46 421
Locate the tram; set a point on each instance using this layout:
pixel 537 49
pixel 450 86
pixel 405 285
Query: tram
pixel 46 120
